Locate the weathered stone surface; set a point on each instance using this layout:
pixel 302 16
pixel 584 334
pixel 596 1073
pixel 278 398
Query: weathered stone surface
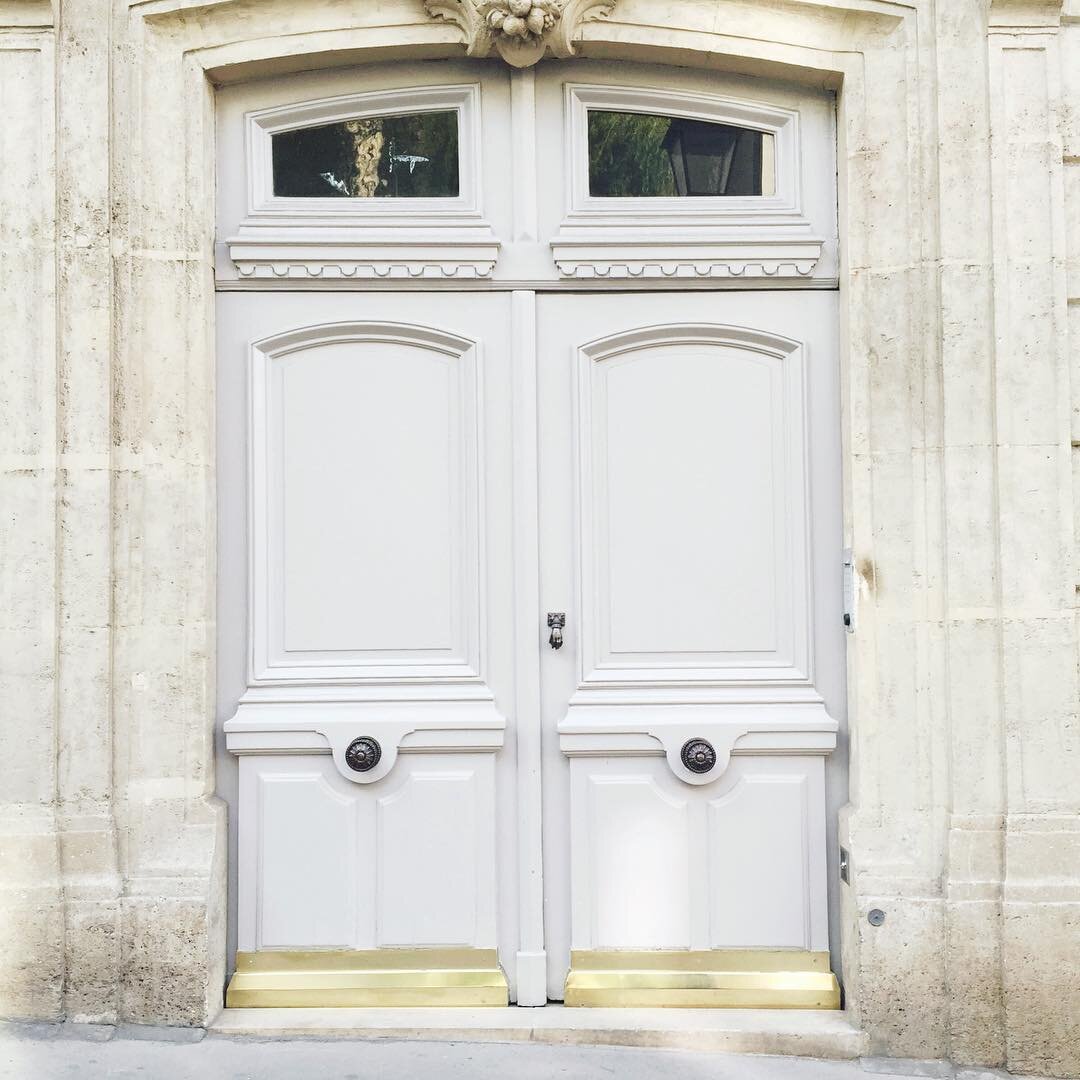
pixel 959 144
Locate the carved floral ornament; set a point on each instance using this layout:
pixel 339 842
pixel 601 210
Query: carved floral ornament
pixel 521 31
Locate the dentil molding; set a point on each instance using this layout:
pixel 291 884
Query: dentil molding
pixel 521 31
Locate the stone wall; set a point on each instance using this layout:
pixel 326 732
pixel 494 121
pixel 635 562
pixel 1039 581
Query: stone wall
pixel 959 165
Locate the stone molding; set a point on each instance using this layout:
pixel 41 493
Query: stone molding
pixel 1020 14
pixel 520 31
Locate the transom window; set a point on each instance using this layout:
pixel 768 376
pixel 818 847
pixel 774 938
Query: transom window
pixel 644 155
pixel 665 175
pixel 409 156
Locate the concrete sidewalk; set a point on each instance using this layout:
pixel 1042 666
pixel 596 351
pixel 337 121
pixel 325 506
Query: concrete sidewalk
pixel 66 1051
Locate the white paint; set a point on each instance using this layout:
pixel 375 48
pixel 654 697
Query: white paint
pixel 436 874
pixel 631 877
pixel 684 462
pixel 528 809
pixel 329 864
pixel 523 214
pixel 781 235
pixel 431 473
pixel 367 457
pixel 692 494
pixel 764 843
pixel 266 238
pixel 364 480
pixel 657 864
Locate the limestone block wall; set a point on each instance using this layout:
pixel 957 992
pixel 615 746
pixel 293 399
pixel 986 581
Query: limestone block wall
pixel 959 168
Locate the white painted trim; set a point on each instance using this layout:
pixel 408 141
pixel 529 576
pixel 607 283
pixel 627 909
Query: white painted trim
pixel 523 132
pixel 403 726
pixel 685 238
pixel 342 238
pixel 339 256
pixel 630 729
pixel 795 665
pixel 267 661
pixel 782 124
pixel 532 958
pixel 262 124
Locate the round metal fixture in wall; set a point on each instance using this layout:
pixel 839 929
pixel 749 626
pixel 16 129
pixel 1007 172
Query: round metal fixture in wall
pixel 698 755
pixel 363 754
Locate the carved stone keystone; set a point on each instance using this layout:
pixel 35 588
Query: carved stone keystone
pixel 521 31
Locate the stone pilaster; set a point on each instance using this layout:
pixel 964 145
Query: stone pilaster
pixel 84 746
pixel 1033 397
pixel 974 749
pixel 173 840
pixel 31 893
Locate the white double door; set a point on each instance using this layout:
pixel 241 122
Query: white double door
pixel 412 482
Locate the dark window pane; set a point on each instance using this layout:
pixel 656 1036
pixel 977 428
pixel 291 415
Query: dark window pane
pixel 643 156
pixel 406 157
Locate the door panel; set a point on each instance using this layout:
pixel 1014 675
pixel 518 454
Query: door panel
pixel 367 534
pixel 334 865
pixel 692 492
pixel 681 436
pixel 354 422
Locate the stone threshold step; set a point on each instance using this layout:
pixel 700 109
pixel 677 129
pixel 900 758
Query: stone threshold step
pixel 803 1033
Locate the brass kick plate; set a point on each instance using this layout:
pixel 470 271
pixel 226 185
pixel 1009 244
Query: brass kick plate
pixel 378 978
pixel 710 979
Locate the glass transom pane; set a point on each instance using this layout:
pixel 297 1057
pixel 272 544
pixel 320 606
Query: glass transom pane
pixel 411 156
pixel 640 155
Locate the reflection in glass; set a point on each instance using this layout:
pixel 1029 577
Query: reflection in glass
pixel 639 155
pixel 409 157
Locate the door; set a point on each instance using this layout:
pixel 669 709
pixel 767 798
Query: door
pixel 689 501
pixel 510 361
pixel 376 761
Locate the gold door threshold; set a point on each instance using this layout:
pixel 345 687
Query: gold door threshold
pixel 712 979
pixel 379 978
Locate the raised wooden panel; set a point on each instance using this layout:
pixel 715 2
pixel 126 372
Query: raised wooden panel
pixel 365 503
pixel 305 899
pixel 406 862
pixel 693 507
pixel 757 845
pixel 429 884
pixel 738 863
pixel 638 885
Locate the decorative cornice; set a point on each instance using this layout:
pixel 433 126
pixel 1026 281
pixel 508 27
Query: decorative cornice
pixel 633 729
pixel 521 31
pixel 599 256
pixel 684 269
pixel 277 269
pixel 285 253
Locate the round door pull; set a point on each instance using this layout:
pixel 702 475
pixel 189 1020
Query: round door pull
pixel 363 754
pixel 698 755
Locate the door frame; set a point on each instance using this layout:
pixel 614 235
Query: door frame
pixel 880 57
pixel 531 218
